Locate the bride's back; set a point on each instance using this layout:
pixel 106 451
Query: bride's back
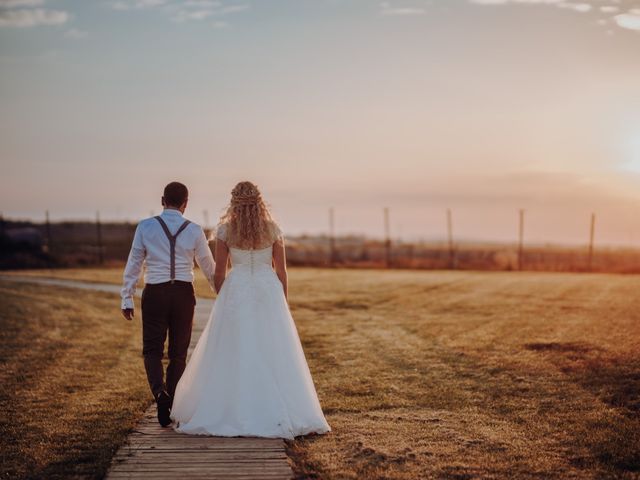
pixel 250 256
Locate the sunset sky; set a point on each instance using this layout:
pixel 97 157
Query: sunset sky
pixel 482 106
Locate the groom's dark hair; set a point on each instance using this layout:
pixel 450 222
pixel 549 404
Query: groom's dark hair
pixel 175 194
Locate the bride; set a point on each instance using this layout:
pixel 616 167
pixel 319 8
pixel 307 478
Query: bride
pixel 248 375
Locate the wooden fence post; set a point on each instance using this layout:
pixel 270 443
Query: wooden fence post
pixel 387 242
pixel 332 238
pixel 99 235
pixel 48 232
pixel 591 237
pixel 521 241
pixel 452 261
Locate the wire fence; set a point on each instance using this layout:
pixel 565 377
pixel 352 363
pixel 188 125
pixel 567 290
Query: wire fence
pixel 60 244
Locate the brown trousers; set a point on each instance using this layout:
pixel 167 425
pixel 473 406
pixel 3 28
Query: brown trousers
pixel 166 307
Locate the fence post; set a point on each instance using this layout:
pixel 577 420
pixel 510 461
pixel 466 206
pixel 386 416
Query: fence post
pixel 99 235
pixel 387 242
pixel 332 238
pixel 452 262
pixel 521 241
pixel 591 236
pixel 48 232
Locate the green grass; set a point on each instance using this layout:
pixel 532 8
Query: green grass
pixel 467 375
pixel 72 379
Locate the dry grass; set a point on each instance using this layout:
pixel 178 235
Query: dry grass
pixel 72 379
pixel 469 375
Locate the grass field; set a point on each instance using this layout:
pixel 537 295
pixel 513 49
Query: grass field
pixel 72 386
pixel 468 375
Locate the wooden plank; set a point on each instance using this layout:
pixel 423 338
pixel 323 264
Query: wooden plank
pixel 201 474
pixel 274 462
pixel 199 468
pixel 213 454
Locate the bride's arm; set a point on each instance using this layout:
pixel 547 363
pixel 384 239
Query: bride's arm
pixel 222 255
pixel 280 264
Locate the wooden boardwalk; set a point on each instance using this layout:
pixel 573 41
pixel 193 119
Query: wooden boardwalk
pixel 160 453
pixel 156 452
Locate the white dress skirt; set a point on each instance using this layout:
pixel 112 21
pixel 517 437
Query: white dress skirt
pixel 248 375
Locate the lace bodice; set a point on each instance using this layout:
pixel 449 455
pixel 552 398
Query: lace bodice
pixel 251 257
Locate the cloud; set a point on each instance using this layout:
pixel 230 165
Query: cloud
pixel 20 3
pixel 32 17
pixel 185 10
pixel 186 15
pixel 504 2
pixel 387 9
pixel 578 7
pixel 202 3
pixel 74 33
pixel 490 2
pixel 137 4
pixel 630 21
pixel 148 3
pixel 203 9
pixel 233 9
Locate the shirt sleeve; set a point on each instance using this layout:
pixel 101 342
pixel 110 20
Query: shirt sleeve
pixel 204 258
pixel 221 232
pixel 133 269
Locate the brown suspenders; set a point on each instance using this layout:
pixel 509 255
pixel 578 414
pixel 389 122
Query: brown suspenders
pixel 172 242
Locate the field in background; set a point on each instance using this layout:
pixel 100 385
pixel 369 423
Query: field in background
pixel 76 244
pixel 465 374
pixel 72 382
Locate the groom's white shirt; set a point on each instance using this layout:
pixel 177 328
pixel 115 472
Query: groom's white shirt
pixel 151 248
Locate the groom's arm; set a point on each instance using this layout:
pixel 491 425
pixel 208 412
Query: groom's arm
pixel 132 273
pixel 204 258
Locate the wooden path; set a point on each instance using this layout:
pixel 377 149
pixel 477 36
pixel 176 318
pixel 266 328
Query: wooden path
pixel 160 453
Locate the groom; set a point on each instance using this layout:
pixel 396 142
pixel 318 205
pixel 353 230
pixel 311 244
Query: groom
pixel 167 244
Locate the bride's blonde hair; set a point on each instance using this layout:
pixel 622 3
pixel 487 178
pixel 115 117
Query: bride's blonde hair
pixel 248 221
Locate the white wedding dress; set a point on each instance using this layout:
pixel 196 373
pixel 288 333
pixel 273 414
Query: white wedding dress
pixel 248 375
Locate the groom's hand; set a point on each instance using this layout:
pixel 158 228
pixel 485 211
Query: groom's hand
pixel 127 313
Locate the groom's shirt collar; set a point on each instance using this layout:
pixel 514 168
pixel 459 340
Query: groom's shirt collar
pixel 171 211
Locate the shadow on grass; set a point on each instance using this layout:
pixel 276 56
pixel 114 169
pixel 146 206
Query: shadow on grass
pixel 303 467
pixel 615 381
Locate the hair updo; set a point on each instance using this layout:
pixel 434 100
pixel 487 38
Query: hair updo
pixel 249 224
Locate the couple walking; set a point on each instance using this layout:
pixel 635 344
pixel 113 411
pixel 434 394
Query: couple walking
pixel 248 375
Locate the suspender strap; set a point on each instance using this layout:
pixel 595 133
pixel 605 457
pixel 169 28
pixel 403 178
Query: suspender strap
pixel 172 242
